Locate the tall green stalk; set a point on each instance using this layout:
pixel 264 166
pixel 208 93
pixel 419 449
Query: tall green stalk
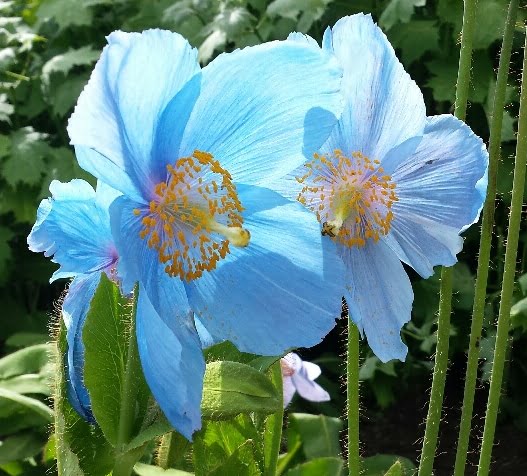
pixel 500 350
pixel 352 387
pixel 487 225
pixel 426 463
pixel 273 426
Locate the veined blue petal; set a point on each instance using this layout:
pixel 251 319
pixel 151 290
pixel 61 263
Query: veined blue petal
pixel 73 229
pixel 263 108
pixel 118 111
pixel 173 364
pixel 384 107
pixel 379 296
pixel 441 190
pixel 139 263
pixel 283 290
pixel 74 311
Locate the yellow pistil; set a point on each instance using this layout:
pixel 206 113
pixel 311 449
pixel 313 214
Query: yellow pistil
pixel 351 197
pixel 194 216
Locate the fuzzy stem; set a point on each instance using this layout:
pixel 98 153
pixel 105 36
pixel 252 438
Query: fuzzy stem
pixel 426 463
pixel 171 450
pixel 500 349
pixel 273 426
pixel 352 387
pixel 487 225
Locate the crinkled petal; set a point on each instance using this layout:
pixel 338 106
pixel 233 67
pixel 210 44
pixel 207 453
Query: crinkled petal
pixel 119 109
pixel 441 189
pixel 173 364
pixel 74 311
pixel 384 107
pixel 308 389
pixel 263 108
pixel 139 263
pixel 288 390
pixel 283 290
pixel 73 229
pixel 379 297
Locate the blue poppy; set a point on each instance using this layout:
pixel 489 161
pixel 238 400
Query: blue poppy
pixel 73 226
pixel 192 150
pixel 390 184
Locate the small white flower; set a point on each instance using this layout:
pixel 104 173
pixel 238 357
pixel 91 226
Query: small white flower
pixel 298 376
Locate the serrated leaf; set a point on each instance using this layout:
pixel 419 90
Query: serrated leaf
pixel 25 163
pixel 231 388
pixel 328 466
pixel 415 38
pixel 65 62
pixel 318 434
pixel 64 12
pixel 106 333
pixel 398 11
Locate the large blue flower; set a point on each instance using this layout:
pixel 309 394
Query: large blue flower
pixel 390 184
pixel 73 226
pixel 191 151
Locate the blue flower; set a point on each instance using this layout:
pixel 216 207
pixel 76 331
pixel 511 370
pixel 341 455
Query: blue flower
pixel 390 184
pixel 192 152
pixel 73 226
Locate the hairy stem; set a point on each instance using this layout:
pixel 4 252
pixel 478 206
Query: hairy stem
pixel 273 426
pixel 352 387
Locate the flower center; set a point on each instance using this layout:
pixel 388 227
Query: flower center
pixel 352 197
pixel 194 216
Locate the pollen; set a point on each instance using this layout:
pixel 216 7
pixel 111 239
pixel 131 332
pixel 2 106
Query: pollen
pixel 352 197
pixel 194 217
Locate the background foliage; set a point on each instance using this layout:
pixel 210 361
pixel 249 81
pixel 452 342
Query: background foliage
pixel 47 50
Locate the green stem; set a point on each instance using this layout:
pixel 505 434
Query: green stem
pixel 123 462
pixel 426 463
pixel 352 388
pixel 500 349
pixel 171 450
pixel 487 225
pixel 273 426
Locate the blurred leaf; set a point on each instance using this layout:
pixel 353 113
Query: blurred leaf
pixel 6 109
pixel 20 201
pixel 381 465
pixel 522 281
pixel 372 364
pixel 215 41
pixel 64 12
pixel 26 161
pixel 12 403
pixel 415 38
pixel 64 94
pixel 490 19
pixel 319 434
pixel 26 339
pixel 25 361
pixel 20 446
pixel 443 81
pixel 147 470
pixel 241 462
pixel 305 12
pixel 486 353
pixel 64 62
pixel 327 466
pixel 230 388
pixel 5 251
pixel 30 383
pixel 105 335
pixel 395 470
pixel 519 315
pixel 398 11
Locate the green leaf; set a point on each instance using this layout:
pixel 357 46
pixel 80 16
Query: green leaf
pixel 25 361
pixel 148 470
pixel 415 39
pixel 105 335
pixel 64 62
pixel 519 315
pixel 231 388
pixel 387 465
pixel 319 434
pixel 64 12
pixel 6 109
pixel 398 11
pixel 20 202
pixel 5 251
pixel 29 383
pixel 327 466
pixel 303 12
pixel 64 94
pixel 26 162
pixel 490 18
pixel 13 403
pixel 21 446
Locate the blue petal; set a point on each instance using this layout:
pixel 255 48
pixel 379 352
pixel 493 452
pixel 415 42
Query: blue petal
pixel 283 290
pixel 261 109
pixel 384 107
pixel 74 229
pixel 139 263
pixel 441 190
pixel 379 297
pixel 118 111
pixel 302 38
pixel 74 311
pixel 173 364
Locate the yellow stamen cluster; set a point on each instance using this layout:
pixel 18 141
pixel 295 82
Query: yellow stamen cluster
pixel 197 200
pixel 351 197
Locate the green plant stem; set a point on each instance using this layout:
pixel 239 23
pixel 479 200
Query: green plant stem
pixel 487 225
pixel 500 349
pixel 352 387
pixel 171 450
pixel 123 462
pixel 273 426
pixel 426 463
